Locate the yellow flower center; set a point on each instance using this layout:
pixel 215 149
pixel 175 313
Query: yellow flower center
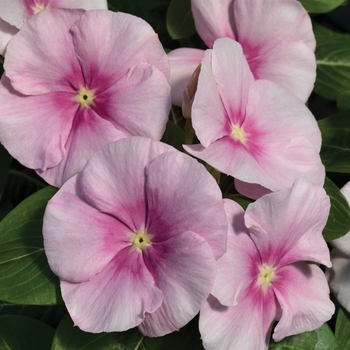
pixel 238 134
pixel 38 8
pixel 266 276
pixel 140 240
pixel 85 97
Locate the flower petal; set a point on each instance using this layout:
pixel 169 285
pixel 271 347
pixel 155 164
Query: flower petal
pixel 84 4
pixel 13 12
pixel 339 277
pixel 238 267
pixel 303 294
pixel 263 24
pixel 113 181
pixel 189 202
pixel 183 268
pixel 213 19
pixel 7 31
pixel 244 326
pixel 45 67
pixel 291 65
pixel 133 41
pixel 138 104
pixel 79 240
pixel 88 134
pixel 116 299
pixel 286 226
pixel 35 129
pixel 249 190
pixel 183 62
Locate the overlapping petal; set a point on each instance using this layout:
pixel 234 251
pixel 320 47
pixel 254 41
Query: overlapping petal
pixel 45 67
pixel 132 39
pixel 244 326
pixel 303 294
pixel 117 298
pixel 18 129
pixel 138 103
pixel 13 12
pixel 183 62
pixel 116 190
pixel 184 282
pixel 79 248
pixel 184 205
pixel 7 31
pixel 286 226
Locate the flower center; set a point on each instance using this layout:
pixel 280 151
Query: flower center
pixel 140 240
pixel 37 8
pixel 238 134
pixel 266 276
pixel 85 97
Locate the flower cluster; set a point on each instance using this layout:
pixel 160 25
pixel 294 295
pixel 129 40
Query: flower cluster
pixel 139 233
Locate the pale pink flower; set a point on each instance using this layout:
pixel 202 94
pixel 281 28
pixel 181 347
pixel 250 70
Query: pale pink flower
pixel 14 13
pixel 263 278
pixel 75 81
pixel 134 238
pixel 339 275
pixel 253 130
pixel 276 36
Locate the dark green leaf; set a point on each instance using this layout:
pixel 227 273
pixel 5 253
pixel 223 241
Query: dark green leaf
pixel 343 100
pixel 174 136
pixel 50 315
pixel 321 6
pixel 335 152
pixel 342 329
pixel 4 168
pixel 24 333
pixel 25 276
pixel 333 62
pixel 68 337
pixel 179 19
pixel 319 339
pixel 338 223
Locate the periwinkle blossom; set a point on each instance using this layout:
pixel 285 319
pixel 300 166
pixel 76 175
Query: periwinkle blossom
pixel 75 81
pixel 253 130
pixel 339 275
pixel 14 13
pixel 134 238
pixel 276 36
pixel 263 276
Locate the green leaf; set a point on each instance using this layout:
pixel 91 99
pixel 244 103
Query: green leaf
pixel 319 339
pixel 4 169
pixel 174 136
pixel 333 62
pixel 343 100
pixel 335 151
pixel 20 332
pixel 25 276
pixel 338 223
pixel 179 19
pixel 342 329
pixel 321 6
pixel 68 337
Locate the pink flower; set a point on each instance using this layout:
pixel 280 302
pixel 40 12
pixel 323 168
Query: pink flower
pixel 263 277
pixel 134 238
pixel 253 130
pixel 13 13
pixel 75 81
pixel 276 36
pixel 339 275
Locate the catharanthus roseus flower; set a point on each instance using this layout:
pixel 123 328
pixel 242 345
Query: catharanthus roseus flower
pixel 339 275
pixel 253 130
pixel 13 13
pixel 263 278
pixel 276 36
pixel 134 238
pixel 75 81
